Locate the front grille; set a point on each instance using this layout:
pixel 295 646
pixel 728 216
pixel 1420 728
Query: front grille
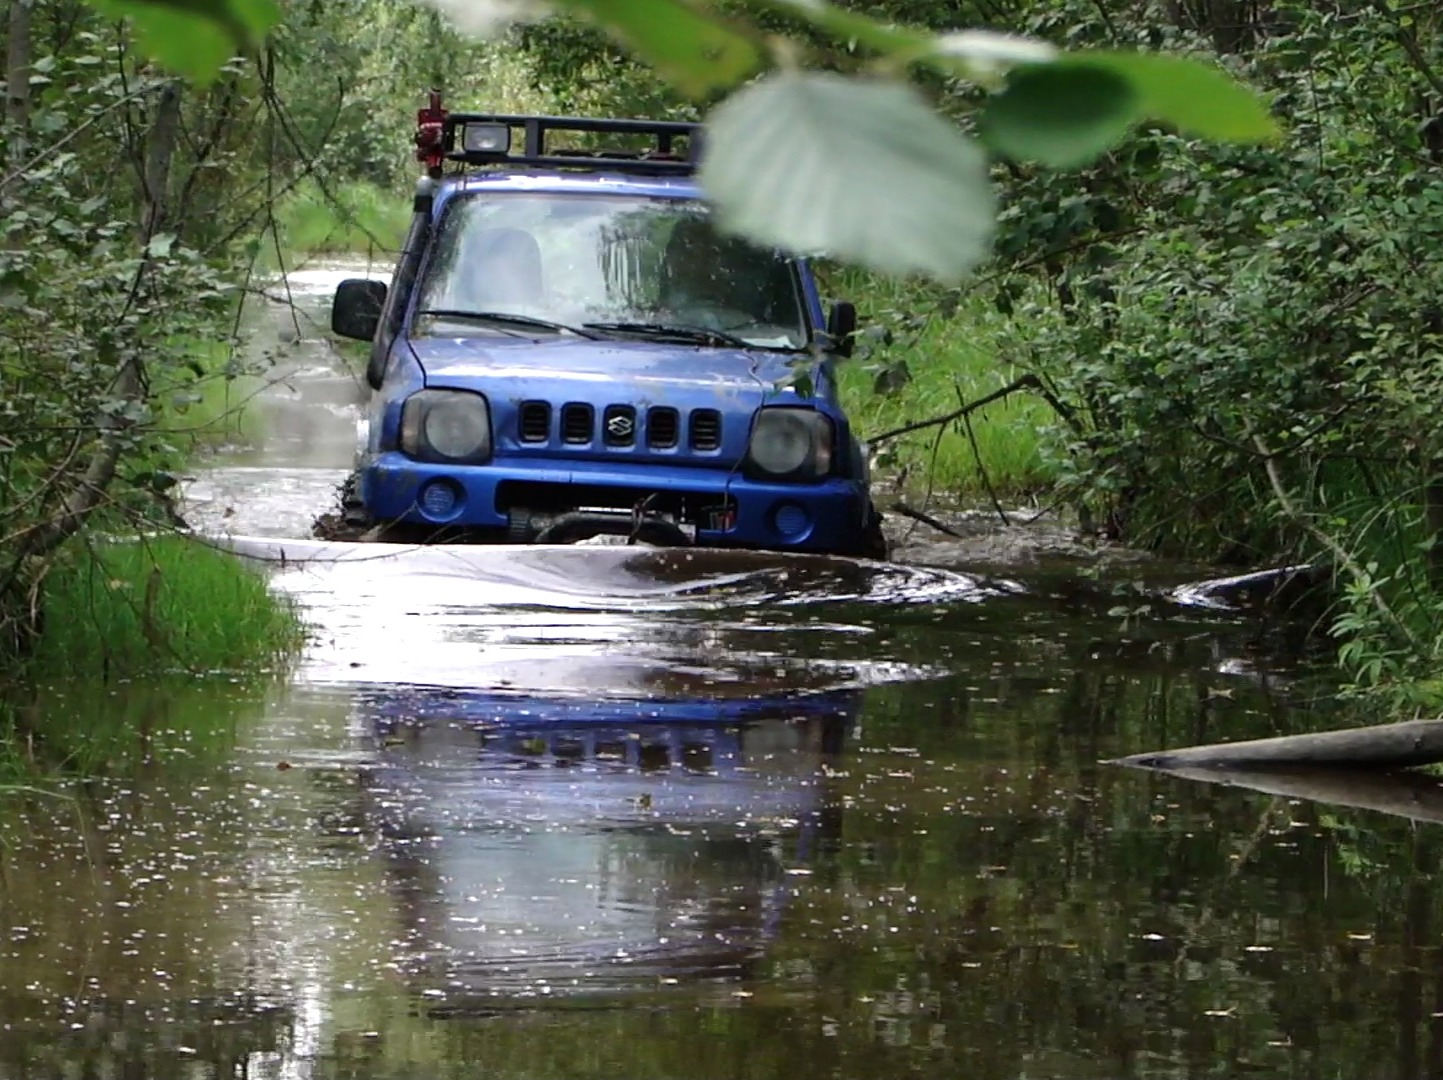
pixel 535 421
pixel 618 425
pixel 576 422
pixel 663 426
pixel 705 429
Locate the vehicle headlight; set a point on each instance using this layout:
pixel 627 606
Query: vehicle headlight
pixel 791 444
pixel 446 425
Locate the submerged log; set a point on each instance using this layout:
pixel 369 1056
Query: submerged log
pixel 1411 795
pixel 1284 588
pixel 1384 746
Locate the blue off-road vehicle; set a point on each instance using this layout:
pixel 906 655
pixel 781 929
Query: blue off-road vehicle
pixel 568 348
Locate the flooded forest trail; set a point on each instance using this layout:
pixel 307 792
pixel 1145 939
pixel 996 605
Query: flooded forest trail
pixel 606 812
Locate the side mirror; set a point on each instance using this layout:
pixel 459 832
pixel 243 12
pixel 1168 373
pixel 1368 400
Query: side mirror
pixel 842 327
pixel 356 310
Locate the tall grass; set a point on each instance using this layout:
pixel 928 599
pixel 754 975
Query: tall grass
pixel 345 218
pixel 941 358
pixel 155 606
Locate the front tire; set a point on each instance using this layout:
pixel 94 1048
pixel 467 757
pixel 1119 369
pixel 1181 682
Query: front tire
pixel 874 544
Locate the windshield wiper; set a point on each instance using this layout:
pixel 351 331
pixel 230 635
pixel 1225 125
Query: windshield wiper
pixel 699 335
pixel 504 317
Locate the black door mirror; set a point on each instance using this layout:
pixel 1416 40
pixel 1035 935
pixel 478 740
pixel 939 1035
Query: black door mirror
pixel 356 310
pixel 842 327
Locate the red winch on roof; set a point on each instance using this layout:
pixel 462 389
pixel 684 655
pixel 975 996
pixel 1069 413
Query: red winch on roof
pixel 431 135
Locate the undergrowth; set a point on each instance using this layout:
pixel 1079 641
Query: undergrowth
pixel 350 218
pixel 209 408
pixel 921 356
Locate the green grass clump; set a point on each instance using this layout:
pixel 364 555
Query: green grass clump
pixel 949 361
pixel 145 607
pixel 349 218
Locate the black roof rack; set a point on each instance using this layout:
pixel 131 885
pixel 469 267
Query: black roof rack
pixel 490 139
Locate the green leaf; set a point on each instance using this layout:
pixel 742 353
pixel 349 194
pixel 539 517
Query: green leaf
pixel 194 38
pixel 1197 98
pixel 862 170
pixel 696 53
pixel 1059 114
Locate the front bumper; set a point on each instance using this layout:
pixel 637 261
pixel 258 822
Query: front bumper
pixel 824 517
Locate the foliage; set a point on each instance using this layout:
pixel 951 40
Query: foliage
pixel 1248 340
pixel 890 134
pixel 105 287
pixel 352 217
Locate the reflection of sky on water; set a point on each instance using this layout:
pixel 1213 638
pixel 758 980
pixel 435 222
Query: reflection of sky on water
pixel 556 620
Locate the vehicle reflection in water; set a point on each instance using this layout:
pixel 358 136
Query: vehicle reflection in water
pixel 570 848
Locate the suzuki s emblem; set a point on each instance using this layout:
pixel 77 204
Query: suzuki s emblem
pixel 619 426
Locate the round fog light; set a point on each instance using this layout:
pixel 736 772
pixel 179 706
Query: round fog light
pixel 440 500
pixel 791 521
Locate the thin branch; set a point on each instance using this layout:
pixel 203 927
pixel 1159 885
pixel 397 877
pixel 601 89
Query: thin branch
pixel 926 519
pixel 1345 557
pixel 982 468
pixel 1027 382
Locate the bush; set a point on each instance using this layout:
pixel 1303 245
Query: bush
pixel 1250 342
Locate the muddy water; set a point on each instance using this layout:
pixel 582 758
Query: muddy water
pixel 613 812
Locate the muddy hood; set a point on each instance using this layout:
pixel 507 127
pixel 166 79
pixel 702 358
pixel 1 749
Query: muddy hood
pixel 461 362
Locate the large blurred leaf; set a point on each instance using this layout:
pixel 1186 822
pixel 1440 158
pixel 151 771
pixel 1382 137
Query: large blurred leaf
pixel 1062 114
pixel 862 170
pixel 194 37
pixel 695 52
pixel 1197 98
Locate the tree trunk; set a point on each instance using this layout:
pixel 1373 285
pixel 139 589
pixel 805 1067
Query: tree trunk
pixel 1416 742
pixel 17 87
pixel 159 152
pixel 1412 795
pixel 87 490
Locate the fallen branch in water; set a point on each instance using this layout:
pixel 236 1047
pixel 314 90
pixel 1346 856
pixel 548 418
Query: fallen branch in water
pixel 926 519
pixel 1400 746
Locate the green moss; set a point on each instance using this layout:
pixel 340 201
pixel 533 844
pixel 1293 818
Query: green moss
pixel 160 605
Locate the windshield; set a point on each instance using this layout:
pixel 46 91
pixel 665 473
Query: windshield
pixel 580 260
